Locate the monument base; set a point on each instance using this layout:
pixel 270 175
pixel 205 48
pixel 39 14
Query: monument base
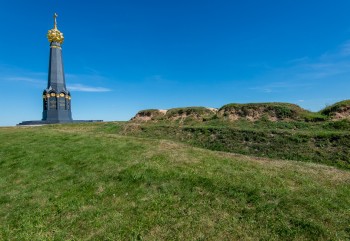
pixel 41 122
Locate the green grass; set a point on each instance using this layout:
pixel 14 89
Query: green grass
pixel 326 147
pixel 319 142
pixel 80 182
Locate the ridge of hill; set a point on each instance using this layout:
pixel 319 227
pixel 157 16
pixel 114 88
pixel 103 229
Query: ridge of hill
pixel 273 111
pixel 339 110
pixel 275 130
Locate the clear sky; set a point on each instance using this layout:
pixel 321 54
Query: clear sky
pixel 122 56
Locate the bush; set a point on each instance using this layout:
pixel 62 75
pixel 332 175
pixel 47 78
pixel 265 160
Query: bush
pixel 338 125
pixel 314 117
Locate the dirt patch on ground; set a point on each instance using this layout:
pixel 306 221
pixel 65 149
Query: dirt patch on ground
pixel 214 110
pixel 163 111
pixel 149 115
pixel 236 114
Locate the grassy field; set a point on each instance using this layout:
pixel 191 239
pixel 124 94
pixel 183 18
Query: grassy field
pixel 88 182
pixel 325 142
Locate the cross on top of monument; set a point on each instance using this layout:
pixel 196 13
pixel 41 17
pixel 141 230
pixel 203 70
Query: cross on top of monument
pixel 54 35
pixel 55 19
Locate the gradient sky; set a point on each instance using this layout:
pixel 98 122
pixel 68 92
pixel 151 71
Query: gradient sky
pixel 124 56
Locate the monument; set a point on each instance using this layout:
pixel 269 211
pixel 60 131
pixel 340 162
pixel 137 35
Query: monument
pixel 56 97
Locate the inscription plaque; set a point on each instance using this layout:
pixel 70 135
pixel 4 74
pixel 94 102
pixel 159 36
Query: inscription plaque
pixel 62 103
pixel 53 103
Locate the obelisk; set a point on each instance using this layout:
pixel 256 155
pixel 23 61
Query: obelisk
pixel 56 97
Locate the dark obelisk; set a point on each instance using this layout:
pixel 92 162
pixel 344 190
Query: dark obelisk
pixel 56 97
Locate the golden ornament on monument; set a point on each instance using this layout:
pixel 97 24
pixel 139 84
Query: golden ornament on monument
pixel 54 35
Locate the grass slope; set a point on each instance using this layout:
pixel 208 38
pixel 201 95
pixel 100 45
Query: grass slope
pixel 320 142
pixel 77 182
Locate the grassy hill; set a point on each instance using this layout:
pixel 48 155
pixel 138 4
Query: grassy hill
pixel 267 111
pixel 92 182
pixel 290 141
pixel 338 110
pixel 275 130
pixel 273 111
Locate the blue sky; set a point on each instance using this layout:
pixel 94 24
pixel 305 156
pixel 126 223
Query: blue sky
pixel 124 56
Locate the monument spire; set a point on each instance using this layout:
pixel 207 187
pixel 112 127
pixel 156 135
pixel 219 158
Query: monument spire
pixel 56 97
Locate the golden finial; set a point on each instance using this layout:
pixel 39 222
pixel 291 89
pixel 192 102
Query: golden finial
pixel 54 35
